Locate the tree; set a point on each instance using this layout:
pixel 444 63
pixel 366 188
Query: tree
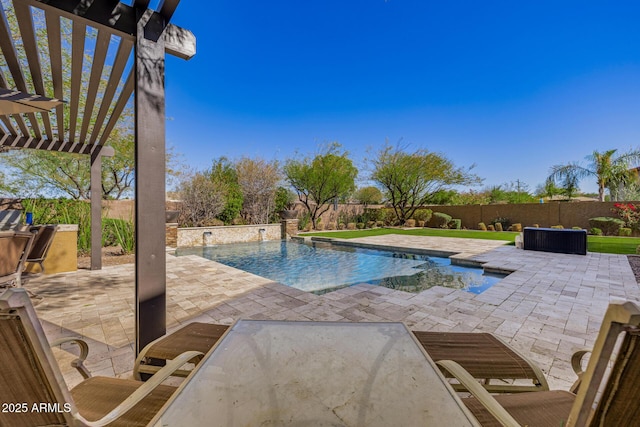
pixel 202 201
pixel 321 179
pixel 607 169
pixel 223 174
pixel 413 179
pixel 258 180
pixel 368 195
pixel 548 189
pixel 53 173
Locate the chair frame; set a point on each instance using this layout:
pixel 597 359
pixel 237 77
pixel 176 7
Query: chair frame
pixel 619 318
pixel 43 250
pixel 15 278
pixel 15 302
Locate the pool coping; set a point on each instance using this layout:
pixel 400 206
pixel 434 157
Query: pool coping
pixel 457 258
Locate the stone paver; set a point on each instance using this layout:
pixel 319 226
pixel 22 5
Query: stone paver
pixel 549 307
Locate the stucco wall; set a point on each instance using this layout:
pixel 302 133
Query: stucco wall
pixel 567 214
pixel 195 236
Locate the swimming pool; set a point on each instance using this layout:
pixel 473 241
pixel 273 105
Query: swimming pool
pixel 321 267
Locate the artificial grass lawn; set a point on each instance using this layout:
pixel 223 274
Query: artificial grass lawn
pixel 605 244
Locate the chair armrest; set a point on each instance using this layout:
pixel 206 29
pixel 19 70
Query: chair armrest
pixel 142 391
pixel 478 391
pixel 84 351
pixel 576 364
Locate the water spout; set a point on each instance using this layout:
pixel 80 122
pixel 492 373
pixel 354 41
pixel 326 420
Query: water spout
pixel 263 233
pixel 206 238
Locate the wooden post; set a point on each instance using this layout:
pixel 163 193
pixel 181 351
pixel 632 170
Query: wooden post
pixel 96 210
pixel 150 180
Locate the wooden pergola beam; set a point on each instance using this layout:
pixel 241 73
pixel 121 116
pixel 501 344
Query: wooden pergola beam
pixel 120 19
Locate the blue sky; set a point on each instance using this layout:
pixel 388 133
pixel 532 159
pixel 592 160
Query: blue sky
pixel 513 87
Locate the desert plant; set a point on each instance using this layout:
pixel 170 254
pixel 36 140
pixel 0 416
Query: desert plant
pixel 517 227
pixel 341 226
pixel 490 227
pixel 624 232
pixel 371 224
pixel 498 226
pixel 441 220
pixel 119 232
pixel 331 225
pixel 304 221
pixel 558 227
pixel 608 225
pixel 379 223
pixel 420 223
pixel 422 214
pixel 351 226
pixel 455 224
pixel 505 222
pixel 63 211
pixel 576 228
pixel 410 223
pixel 482 226
pixel 360 225
pixel 595 231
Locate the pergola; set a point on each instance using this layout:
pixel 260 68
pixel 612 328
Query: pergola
pixel 122 48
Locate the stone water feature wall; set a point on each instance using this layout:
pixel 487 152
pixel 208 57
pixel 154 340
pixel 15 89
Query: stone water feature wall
pixel 202 236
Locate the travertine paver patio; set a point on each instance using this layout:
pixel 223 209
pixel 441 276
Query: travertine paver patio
pixel 549 307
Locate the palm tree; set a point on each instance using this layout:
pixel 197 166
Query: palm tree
pixel 604 167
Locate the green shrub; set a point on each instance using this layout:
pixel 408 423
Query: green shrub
pixel 505 222
pixel 595 231
pixel 576 228
pixel 360 225
pixel 441 220
pixel 482 226
pixel 373 214
pixel 303 223
pixel 63 211
pixel 624 232
pixel 371 224
pixel 422 215
pixel 341 226
pixel 608 225
pixel 118 232
pixel 388 216
pixel 455 224
pixel 498 226
pixel 379 223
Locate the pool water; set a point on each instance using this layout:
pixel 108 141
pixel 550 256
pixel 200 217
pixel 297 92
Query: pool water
pixel 321 267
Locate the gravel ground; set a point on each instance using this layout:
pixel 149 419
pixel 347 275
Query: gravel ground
pixel 634 262
pixel 110 256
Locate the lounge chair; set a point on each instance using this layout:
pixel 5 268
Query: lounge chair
pixel 33 386
pixel 14 248
pixel 41 244
pixel 484 355
pixel 194 336
pixel 608 395
pixel 487 358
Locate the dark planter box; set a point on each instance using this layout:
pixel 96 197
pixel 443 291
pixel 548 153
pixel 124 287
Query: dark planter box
pixel 562 241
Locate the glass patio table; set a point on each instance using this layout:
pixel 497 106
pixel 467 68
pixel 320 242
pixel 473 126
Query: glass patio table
pixel 285 373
